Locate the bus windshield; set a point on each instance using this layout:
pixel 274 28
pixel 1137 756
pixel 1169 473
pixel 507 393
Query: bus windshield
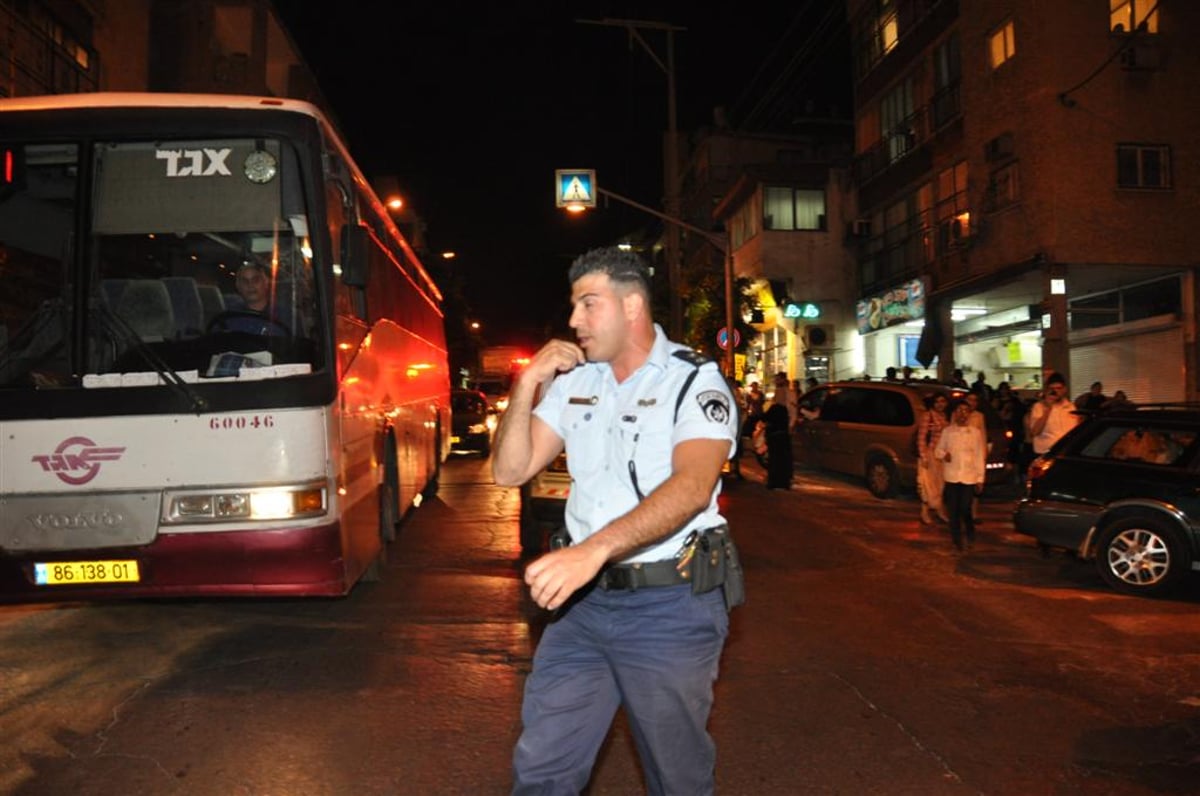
pixel 192 259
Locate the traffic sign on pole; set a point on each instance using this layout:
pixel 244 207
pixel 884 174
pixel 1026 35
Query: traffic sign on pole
pixel 723 338
pixel 575 188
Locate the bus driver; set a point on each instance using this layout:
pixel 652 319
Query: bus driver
pixel 253 284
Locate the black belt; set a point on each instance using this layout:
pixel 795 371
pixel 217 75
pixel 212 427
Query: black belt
pixel 631 577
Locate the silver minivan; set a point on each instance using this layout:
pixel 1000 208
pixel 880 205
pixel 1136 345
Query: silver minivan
pixel 869 428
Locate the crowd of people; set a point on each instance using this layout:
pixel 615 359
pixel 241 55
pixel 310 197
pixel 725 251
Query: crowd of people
pixel 769 422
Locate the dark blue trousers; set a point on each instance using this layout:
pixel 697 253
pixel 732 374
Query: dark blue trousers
pixel 654 652
pixel 957 499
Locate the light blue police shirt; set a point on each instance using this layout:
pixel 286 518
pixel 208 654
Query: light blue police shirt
pixel 606 425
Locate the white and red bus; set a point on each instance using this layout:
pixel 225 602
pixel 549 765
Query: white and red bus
pixel 159 438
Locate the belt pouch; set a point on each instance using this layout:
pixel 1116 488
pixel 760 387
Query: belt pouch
pixel 715 562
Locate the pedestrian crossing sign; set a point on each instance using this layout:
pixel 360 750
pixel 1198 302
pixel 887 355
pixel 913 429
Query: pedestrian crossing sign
pixel 575 189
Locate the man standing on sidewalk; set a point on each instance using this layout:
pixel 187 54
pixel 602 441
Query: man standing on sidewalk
pixel 647 426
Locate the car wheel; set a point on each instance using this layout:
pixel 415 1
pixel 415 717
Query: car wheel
pixel 1142 555
pixel 881 476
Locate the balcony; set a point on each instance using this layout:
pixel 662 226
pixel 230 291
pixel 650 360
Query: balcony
pixel 909 135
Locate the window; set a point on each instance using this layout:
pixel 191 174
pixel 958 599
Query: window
pixel 895 117
pixel 786 208
pixel 1126 16
pixel 1143 166
pixel 1146 300
pixel 947 73
pixel 1002 45
pixel 1003 188
pixel 953 213
pixel 1131 443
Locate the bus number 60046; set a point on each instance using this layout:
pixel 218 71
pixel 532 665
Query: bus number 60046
pixel 241 422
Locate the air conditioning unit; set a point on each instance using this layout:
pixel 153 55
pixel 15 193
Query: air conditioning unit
pixel 818 335
pixel 860 228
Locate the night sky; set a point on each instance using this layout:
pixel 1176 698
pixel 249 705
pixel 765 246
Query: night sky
pixel 473 107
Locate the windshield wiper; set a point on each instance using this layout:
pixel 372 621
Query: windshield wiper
pixel 126 334
pixel 36 341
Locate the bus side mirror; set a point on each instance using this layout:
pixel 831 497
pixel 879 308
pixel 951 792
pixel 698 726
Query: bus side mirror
pixel 356 243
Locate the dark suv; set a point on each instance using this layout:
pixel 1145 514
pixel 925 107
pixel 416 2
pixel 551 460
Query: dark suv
pixel 1123 489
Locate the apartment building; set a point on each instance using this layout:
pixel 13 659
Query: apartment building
pixel 199 46
pixel 1026 176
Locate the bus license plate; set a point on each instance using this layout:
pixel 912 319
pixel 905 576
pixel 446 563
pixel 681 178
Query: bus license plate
pixel 454 440
pixel 61 573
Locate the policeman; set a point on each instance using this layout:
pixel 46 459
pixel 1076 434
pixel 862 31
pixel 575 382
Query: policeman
pixel 647 426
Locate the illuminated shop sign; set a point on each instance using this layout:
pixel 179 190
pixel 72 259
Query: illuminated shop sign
pixel 903 303
pixel 804 309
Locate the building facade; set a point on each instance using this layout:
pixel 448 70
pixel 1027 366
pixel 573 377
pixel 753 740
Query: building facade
pixel 199 46
pixel 1028 168
pixel 781 201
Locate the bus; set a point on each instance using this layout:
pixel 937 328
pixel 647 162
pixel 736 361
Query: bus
pixel 160 435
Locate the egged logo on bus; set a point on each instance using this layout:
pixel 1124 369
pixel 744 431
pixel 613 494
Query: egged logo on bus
pixel 76 460
pixel 195 162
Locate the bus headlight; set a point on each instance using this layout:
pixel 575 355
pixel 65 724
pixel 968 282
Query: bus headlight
pixel 273 503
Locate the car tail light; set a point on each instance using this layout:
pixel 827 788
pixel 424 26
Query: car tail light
pixel 1040 466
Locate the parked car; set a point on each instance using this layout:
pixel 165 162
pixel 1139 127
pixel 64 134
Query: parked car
pixel 1121 489
pixel 472 421
pixel 543 503
pixel 496 391
pixel 869 428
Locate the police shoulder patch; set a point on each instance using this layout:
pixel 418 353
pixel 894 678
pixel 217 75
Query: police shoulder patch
pixel 691 357
pixel 715 405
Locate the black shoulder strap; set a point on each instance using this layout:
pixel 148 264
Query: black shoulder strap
pixel 695 360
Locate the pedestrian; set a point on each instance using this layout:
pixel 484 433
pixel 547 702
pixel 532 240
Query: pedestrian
pixel 976 418
pixel 755 403
pixel 1093 400
pixel 906 373
pixel 641 591
pixel 1011 411
pixel 739 402
pixel 890 374
pixel 1052 416
pixel 930 479
pixel 957 380
pixel 981 388
pixel 1118 402
pixel 963 449
pixel 779 420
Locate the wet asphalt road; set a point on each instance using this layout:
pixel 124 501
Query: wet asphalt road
pixel 868 659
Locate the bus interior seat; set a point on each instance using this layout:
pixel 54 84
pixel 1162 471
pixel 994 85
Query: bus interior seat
pixel 233 302
pixel 212 301
pixel 145 305
pixel 185 304
pixel 284 297
pixel 111 290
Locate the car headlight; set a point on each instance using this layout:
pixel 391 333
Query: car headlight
pixel 234 503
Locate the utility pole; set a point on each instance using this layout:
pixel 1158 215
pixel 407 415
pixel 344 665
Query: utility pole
pixel 671 155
